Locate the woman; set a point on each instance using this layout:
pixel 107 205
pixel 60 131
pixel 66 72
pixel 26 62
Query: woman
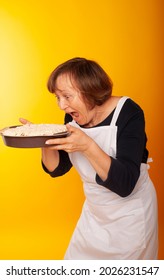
pixel 107 146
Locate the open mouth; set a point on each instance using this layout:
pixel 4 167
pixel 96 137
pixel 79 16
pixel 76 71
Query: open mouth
pixel 74 115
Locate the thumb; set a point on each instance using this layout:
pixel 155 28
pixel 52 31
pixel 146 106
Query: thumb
pixel 70 128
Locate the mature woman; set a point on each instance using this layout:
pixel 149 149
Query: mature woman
pixel 107 146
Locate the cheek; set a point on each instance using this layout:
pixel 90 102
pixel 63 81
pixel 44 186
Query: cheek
pixel 78 105
pixel 83 110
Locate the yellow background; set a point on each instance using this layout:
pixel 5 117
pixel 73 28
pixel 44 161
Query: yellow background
pixel 38 213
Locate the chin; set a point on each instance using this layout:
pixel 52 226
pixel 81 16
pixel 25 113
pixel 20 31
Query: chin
pixel 78 121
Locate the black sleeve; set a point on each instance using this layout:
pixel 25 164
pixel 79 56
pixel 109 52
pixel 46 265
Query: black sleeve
pixel 64 162
pixel 125 168
pixel 63 167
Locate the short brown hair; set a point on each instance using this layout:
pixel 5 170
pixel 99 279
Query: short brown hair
pixel 91 80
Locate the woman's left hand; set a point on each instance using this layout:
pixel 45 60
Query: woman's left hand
pixel 76 141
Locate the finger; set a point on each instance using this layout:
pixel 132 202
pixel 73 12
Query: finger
pixel 57 141
pixel 54 147
pixel 58 147
pixel 24 121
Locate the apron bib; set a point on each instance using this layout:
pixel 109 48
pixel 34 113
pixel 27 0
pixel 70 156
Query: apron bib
pixel 112 227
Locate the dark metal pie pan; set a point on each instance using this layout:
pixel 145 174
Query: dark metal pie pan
pixel 30 141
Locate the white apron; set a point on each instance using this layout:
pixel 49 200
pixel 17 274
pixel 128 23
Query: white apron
pixel 112 227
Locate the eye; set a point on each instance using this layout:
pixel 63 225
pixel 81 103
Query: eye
pixel 67 96
pixel 57 97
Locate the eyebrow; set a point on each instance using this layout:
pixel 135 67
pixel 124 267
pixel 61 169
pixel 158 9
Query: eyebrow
pixel 63 92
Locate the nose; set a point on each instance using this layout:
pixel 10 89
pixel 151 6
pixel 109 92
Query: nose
pixel 62 104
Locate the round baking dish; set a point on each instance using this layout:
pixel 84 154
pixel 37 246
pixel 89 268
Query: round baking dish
pixel 29 141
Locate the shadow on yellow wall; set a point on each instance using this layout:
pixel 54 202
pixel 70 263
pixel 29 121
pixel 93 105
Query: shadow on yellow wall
pixel 38 213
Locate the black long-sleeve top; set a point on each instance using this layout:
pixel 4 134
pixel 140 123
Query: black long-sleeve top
pixel 131 151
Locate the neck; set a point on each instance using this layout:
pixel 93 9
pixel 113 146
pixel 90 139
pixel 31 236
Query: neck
pixel 100 113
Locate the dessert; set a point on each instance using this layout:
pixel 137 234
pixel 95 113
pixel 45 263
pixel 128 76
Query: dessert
pixel 35 130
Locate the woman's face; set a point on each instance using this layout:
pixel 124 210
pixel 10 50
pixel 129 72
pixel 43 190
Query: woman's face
pixel 71 100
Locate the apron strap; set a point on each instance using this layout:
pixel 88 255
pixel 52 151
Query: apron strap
pixel 118 109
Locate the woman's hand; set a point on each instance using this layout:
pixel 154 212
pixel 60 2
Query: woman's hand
pixel 24 121
pixel 79 141
pixel 76 141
